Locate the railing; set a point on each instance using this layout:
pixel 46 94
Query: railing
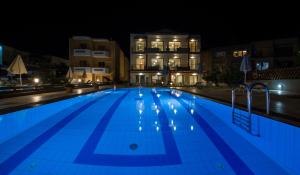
pixel 138 67
pixel 165 50
pixel 100 54
pixel 247 122
pixel 82 52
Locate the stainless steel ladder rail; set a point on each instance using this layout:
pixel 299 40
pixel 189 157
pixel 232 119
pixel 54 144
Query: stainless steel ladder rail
pixel 255 126
pixel 253 122
pixel 243 121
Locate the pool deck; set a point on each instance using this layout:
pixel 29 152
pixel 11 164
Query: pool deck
pixel 22 102
pixel 283 107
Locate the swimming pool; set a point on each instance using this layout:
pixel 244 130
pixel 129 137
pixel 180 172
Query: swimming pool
pixel 142 131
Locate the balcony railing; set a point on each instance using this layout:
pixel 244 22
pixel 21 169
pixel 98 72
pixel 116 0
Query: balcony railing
pixel 82 52
pixel 100 54
pixel 93 70
pixel 166 50
pixel 138 67
pixel 98 70
pixel 82 69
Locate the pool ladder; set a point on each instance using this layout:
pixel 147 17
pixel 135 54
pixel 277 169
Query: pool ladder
pixel 247 121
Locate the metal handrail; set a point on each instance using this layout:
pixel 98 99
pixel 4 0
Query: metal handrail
pixel 265 87
pixel 249 89
pixel 246 87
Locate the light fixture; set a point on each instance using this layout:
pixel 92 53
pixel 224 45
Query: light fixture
pixel 79 80
pixel 140 39
pixel 192 40
pixel 141 74
pixel 97 80
pixel 177 74
pixel 279 86
pixel 36 80
pixel 194 74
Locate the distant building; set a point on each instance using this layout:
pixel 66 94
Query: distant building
pixel 264 55
pixel 97 60
pixel 46 67
pixel 164 57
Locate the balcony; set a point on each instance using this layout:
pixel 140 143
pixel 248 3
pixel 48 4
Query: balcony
pixel 153 50
pixel 93 70
pixel 138 67
pixel 82 52
pixel 80 70
pixel 100 70
pixel 100 54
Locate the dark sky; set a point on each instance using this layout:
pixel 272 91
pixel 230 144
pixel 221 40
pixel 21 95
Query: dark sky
pixel 45 27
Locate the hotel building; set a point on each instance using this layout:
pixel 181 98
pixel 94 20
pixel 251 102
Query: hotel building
pixel 97 60
pixel 164 58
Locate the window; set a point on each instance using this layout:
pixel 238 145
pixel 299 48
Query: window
pixel 220 54
pixel 157 44
pixel 140 62
pixel 193 79
pixel 101 64
pixel 239 53
pixel 193 45
pixel 157 62
pixel 83 63
pixel 173 62
pixel 101 48
pixel 140 45
pixel 83 46
pixel 174 45
pixel 262 65
pixel 193 63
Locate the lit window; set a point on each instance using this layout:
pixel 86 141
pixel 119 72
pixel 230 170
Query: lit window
pixel 239 53
pixel 174 45
pixel 139 45
pixel 262 65
pixel 193 45
pixel 157 44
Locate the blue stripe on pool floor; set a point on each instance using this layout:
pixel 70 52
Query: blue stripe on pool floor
pixel 231 157
pixel 87 156
pixel 17 158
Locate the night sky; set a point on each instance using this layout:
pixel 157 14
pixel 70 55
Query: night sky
pixel 45 27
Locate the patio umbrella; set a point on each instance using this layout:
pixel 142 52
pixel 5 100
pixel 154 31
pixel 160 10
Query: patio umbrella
pixel 245 67
pixel 17 67
pixel 69 74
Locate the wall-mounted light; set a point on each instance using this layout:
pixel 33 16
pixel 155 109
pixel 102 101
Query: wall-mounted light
pixel 36 80
pixel 79 80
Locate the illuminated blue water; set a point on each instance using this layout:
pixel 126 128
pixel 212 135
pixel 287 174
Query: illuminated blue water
pixel 142 131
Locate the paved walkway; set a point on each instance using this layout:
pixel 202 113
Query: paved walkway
pixel 284 107
pixel 21 102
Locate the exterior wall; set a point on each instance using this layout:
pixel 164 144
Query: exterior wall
pixel 178 60
pixel 102 60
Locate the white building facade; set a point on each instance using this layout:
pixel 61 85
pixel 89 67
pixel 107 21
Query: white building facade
pixel 162 58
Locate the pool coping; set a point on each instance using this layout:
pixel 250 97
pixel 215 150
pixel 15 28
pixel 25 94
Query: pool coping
pixel 287 119
pixel 273 115
pixel 35 104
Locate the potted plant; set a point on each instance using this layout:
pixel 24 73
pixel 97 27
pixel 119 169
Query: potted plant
pixel 69 87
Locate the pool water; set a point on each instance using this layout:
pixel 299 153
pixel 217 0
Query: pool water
pixel 141 131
